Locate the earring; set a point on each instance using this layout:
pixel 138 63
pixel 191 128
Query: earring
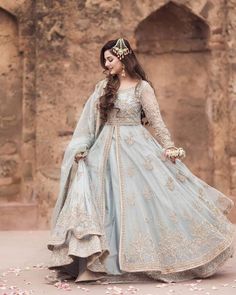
pixel 123 71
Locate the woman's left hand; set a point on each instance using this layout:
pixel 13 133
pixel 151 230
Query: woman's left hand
pixel 173 153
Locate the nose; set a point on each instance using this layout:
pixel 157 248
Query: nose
pixel 106 63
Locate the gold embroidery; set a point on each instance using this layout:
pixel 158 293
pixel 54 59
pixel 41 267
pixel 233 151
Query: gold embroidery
pixel 224 203
pixel 131 171
pixel 173 217
pixel 151 108
pixel 198 206
pixel 209 204
pixel 200 193
pixel 131 200
pixel 181 176
pixel 172 250
pixel 170 184
pixel 146 134
pixel 129 139
pixel 146 220
pixel 148 163
pixel 138 246
pixel 147 193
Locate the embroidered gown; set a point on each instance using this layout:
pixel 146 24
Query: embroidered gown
pixel 125 209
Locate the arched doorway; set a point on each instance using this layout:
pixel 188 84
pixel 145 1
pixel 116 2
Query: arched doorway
pixel 172 46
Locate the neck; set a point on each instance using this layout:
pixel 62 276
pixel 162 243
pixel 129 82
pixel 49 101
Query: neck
pixel 124 79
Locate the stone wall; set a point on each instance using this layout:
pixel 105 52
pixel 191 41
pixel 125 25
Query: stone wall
pixel 50 64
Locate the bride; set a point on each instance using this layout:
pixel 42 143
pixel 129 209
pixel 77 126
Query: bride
pixel 127 203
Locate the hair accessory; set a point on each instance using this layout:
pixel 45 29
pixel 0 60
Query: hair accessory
pixel 120 49
pixel 123 71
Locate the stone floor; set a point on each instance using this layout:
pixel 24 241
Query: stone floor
pixel 23 271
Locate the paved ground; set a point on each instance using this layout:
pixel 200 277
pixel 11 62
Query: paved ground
pixel 23 271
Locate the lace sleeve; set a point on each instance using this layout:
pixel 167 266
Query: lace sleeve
pixel 152 112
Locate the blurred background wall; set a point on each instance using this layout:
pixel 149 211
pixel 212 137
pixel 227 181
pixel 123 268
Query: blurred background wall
pixel 49 65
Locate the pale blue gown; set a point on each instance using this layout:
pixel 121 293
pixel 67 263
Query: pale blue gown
pixel 126 209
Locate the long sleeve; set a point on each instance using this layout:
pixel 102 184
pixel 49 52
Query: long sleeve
pixel 152 112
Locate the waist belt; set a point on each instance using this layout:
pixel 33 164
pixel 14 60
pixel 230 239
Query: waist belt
pixel 122 121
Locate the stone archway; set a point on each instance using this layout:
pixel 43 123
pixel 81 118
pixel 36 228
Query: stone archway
pixel 172 44
pixel 10 109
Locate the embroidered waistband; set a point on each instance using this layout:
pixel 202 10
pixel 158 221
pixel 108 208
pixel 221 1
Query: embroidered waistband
pixel 122 122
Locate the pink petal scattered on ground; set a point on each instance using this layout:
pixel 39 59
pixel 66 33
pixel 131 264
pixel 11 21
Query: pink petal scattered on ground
pixel 63 286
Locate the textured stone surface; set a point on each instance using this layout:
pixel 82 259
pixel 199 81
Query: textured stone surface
pixel 50 64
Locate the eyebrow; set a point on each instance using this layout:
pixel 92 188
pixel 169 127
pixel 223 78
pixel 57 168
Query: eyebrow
pixel 108 56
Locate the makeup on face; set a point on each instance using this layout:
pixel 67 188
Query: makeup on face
pixel 112 63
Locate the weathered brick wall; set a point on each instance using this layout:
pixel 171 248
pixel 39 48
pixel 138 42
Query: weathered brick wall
pixel 186 47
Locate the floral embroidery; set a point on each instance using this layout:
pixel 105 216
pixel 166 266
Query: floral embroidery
pixel 131 200
pixel 146 134
pixel 209 204
pixel 173 217
pixel 131 171
pixel 138 248
pixel 200 193
pixel 129 139
pixel 148 163
pixel 181 176
pixel 223 203
pixel 147 193
pixel 170 184
pixel 198 206
pixel 146 220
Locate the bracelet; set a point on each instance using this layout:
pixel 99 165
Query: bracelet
pixel 177 153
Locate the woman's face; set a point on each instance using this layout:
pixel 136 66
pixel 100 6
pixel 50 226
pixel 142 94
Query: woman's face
pixel 112 63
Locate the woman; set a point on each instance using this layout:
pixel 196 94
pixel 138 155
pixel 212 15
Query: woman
pixel 127 204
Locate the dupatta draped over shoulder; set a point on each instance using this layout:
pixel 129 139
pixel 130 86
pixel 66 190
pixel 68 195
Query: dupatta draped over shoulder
pixel 85 134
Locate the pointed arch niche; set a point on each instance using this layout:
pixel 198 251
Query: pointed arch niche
pixel 172 45
pixel 10 109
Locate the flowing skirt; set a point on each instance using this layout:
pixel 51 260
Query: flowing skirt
pixel 129 211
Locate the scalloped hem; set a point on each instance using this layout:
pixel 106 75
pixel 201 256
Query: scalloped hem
pixel 199 272
pixel 91 270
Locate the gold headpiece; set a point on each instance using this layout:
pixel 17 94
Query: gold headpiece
pixel 120 49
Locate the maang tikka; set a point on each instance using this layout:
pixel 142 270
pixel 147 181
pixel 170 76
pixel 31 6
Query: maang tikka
pixel 120 48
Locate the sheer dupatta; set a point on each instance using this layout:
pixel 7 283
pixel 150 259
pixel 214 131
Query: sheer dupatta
pixel 84 136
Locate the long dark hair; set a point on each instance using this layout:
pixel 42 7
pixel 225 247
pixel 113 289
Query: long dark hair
pixel 134 70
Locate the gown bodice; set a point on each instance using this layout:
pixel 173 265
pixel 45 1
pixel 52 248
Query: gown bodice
pixel 130 108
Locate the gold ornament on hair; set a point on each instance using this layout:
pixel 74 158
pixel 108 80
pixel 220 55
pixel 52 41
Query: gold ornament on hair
pixel 120 48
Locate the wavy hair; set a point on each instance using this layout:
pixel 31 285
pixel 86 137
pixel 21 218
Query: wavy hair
pixel 134 70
